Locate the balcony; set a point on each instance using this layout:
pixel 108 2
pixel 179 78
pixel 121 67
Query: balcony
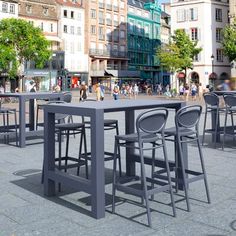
pixel 115 8
pixel 101 37
pixel 116 22
pixel 109 7
pixel 109 21
pixel 101 5
pixel 107 53
pixel 101 21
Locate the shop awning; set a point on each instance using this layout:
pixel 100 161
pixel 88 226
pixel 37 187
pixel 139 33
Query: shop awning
pixel 181 75
pixel 213 75
pixel 53 38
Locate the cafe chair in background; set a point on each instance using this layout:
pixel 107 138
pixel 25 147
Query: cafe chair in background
pixel 230 110
pixel 8 125
pixel 186 131
pixel 212 104
pixel 149 137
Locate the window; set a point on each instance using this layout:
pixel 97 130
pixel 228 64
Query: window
pixel 72 47
pixel 45 11
pixel 65 13
pixel 79 47
pixel 4 7
pixel 196 57
pixel 193 14
pixel 41 26
pixel 72 15
pixel 93 13
pixel 122 5
pixel 12 8
pixel 28 8
pixel 131 26
pixel 194 34
pixel 219 55
pixel 218 14
pixel 79 16
pixel 180 15
pixel 79 30
pixel 93 29
pixel 51 27
pixel 65 28
pixel 219 35
pixel 72 30
pixel 122 34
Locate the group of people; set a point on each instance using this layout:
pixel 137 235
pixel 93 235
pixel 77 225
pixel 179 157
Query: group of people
pixel 193 90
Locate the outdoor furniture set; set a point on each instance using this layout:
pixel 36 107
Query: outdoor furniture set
pixel 151 134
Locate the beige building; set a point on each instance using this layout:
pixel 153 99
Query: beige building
pixel 106 39
pixel 8 9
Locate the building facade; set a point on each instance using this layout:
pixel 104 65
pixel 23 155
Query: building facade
pixel 43 14
pixel 203 21
pixel 8 9
pixel 106 40
pixel 71 22
pixel 144 38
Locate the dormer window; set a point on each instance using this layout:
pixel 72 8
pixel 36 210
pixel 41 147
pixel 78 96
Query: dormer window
pixel 28 8
pixel 45 11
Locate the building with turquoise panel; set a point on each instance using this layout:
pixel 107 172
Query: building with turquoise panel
pixel 144 38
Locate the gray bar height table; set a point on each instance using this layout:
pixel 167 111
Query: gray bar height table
pixel 23 97
pixel 95 110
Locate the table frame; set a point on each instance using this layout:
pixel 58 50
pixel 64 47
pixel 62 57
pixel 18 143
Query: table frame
pixel 23 98
pixel 95 110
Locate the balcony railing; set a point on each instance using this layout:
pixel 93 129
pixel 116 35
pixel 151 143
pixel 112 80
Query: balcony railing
pixel 115 8
pixel 101 37
pixel 109 21
pixel 107 53
pixel 101 5
pixel 101 21
pixel 109 7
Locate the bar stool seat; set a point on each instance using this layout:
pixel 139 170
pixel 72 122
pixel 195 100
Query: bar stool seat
pixel 149 137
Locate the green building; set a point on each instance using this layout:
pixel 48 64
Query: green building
pixel 144 38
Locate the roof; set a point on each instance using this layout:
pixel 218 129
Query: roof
pixel 136 3
pixel 70 3
pixel 164 15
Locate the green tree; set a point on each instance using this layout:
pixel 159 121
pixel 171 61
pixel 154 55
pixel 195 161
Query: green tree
pixel 179 53
pixel 20 41
pixel 229 41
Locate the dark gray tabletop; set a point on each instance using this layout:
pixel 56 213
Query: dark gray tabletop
pixel 220 93
pixel 31 95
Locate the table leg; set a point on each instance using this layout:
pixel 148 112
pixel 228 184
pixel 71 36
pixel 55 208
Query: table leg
pixel 97 165
pixel 22 127
pixel 31 114
pixel 129 128
pixel 49 152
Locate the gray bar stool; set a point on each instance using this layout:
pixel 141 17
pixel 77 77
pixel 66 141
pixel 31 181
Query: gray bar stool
pixel 212 104
pixel 149 137
pixel 6 127
pixel 230 109
pixel 186 131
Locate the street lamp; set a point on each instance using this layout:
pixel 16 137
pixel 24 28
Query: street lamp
pixel 212 69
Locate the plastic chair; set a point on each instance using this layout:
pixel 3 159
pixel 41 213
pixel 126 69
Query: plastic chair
pixel 6 127
pixel 212 105
pixel 230 109
pixel 186 131
pixel 149 137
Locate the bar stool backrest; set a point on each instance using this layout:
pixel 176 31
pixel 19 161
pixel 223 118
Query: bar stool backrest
pixel 230 100
pixel 188 117
pixel 67 97
pixel 152 121
pixel 211 99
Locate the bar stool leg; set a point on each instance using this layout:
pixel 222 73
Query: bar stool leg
pixel 153 167
pixel 204 126
pixel 204 171
pixel 183 172
pixel 114 181
pixel 224 134
pixel 67 148
pixel 16 134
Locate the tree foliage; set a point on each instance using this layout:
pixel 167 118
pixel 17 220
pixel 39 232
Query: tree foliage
pixel 20 41
pixel 229 41
pixel 179 53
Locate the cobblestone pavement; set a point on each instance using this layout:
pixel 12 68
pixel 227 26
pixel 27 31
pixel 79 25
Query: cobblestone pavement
pixel 25 211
